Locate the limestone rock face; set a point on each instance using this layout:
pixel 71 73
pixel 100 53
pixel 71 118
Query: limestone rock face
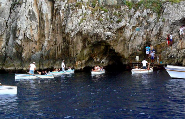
pixel 48 31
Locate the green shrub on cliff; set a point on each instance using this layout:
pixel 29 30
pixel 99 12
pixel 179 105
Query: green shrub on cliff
pixel 174 1
pixel 79 5
pixel 154 5
pixel 129 4
pixel 104 9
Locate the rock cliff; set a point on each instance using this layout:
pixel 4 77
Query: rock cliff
pixel 48 31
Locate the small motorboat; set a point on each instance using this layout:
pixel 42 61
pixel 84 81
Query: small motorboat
pixel 34 76
pixel 10 90
pixel 176 71
pixel 138 70
pixel 98 72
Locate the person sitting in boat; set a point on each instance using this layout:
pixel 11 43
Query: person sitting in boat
pixel 69 69
pixel 136 67
pixel 96 68
pixel 144 62
pixel 42 72
pixel 46 72
pixel 101 69
pixel 55 70
pixel 39 72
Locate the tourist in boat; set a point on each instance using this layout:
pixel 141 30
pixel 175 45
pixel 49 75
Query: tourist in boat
pixel 39 72
pixel 69 69
pixel 46 72
pixel 32 68
pixel 144 62
pixel 96 68
pixel 101 69
pixel 42 72
pixel 136 67
pixel 55 70
pixel 63 66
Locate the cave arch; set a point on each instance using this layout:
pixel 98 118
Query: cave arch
pixel 180 22
pixel 101 53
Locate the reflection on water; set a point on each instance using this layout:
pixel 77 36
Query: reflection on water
pixel 176 95
pixel 8 104
pixel 97 77
pixel 109 95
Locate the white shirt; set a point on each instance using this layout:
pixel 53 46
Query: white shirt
pixel 144 62
pixel 170 36
pixel 181 31
pixel 32 66
pixel 63 65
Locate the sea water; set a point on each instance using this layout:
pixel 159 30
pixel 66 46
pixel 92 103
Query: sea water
pixel 107 96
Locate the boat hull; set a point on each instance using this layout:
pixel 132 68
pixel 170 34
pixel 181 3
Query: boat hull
pixel 134 71
pixel 60 73
pixel 176 71
pixel 35 76
pixel 69 71
pixel 10 90
pixel 57 74
pixel 98 72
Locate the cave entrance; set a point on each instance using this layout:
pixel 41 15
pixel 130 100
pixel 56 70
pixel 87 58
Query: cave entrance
pixel 179 23
pixel 102 54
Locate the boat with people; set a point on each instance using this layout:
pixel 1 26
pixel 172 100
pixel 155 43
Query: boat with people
pixel 176 71
pixel 139 70
pixel 60 73
pixel 69 71
pixel 144 69
pixel 56 73
pixel 6 89
pixel 98 70
pixel 33 76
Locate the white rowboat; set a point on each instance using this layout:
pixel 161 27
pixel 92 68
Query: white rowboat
pixel 98 72
pixel 69 71
pixel 10 90
pixel 134 71
pixel 35 76
pixel 176 71
pixel 56 74
pixel 60 73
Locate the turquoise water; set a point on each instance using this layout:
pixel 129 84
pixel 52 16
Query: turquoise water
pixel 110 95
